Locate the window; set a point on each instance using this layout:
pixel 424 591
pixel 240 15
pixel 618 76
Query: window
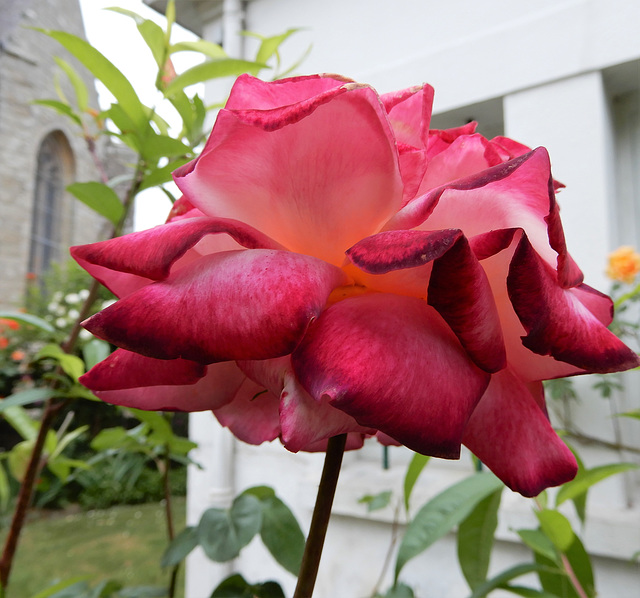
pixel 52 176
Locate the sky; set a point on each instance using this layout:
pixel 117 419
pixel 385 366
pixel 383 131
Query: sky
pixel 117 37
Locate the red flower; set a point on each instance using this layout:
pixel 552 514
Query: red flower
pixel 335 266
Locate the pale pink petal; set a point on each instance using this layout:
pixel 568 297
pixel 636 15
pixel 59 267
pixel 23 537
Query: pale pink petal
pixel 392 364
pixel 230 305
pixel 252 415
pixel 305 421
pixel 316 176
pixel 512 436
pixel 216 388
pixel 441 139
pixel 557 322
pixel 354 442
pixel 458 287
pixel 409 113
pixel 515 194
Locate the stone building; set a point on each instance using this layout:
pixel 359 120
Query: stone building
pixel 41 152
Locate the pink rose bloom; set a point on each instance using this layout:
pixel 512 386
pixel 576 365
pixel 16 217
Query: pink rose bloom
pixel 336 267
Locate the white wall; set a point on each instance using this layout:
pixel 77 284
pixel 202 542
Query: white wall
pixel 545 71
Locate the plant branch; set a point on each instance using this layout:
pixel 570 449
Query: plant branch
pixel 572 577
pixel 320 518
pixel 26 491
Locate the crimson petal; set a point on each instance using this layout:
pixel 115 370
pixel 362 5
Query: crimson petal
pixel 458 287
pixel 392 364
pixel 510 434
pixel 557 322
pixel 248 305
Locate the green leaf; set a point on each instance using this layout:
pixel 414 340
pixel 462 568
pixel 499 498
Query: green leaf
pixel 540 543
pixel 501 579
pixel 400 590
pixel 19 420
pixel 418 463
pixel 66 584
pixel 80 89
pixel 153 36
pixel 557 528
pixel 180 547
pixel 100 198
pixel 60 108
pixel 5 490
pixel 157 146
pixel 475 539
pixel 281 534
pixel 633 414
pixel 213 69
pixel 557 582
pixel 588 478
pixel 270 45
pixel 95 351
pixel 442 513
pixel 223 533
pixel 527 592
pixel 201 46
pixel 110 438
pixel 237 587
pixel 25 397
pixel 18 460
pixel 261 492
pixel 101 68
pixel 67 439
pixel 71 365
pixel 159 176
pixel 375 502
pixel 28 320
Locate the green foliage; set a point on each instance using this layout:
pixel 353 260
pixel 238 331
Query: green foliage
pixel 442 513
pixel 236 586
pixel 378 501
pixel 476 537
pixel 418 463
pixel 100 198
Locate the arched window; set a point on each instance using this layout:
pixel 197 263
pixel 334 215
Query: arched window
pixel 53 172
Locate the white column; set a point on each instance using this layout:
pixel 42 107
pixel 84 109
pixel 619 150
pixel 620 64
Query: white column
pixel 211 486
pixel 571 119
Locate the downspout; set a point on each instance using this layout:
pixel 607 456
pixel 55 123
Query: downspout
pixel 234 15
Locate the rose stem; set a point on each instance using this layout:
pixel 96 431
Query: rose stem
pixel 320 518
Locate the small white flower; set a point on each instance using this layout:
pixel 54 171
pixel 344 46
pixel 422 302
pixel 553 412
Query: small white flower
pixel 73 314
pixel 61 322
pixel 85 335
pixel 83 294
pixel 72 298
pixel 52 307
pixel 61 310
pixel 56 296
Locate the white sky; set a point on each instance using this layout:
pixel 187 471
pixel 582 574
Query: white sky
pixel 116 36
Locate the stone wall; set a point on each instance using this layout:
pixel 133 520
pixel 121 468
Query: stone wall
pixel 27 73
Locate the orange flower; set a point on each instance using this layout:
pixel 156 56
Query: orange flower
pixel 12 324
pixel 18 355
pixel 4 342
pixel 624 264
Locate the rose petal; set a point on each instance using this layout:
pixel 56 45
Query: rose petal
pixel 305 422
pixel 515 194
pixel 252 415
pixel 556 321
pixel 316 176
pixel 458 286
pixel 511 435
pixel 394 365
pixel 123 369
pixel 216 388
pixel 151 253
pixel 230 305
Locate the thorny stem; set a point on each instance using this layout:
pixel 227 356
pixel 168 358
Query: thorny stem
pixel 320 518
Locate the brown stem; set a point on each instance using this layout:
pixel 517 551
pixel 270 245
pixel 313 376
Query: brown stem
pixel 320 518
pixel 165 467
pixel 26 491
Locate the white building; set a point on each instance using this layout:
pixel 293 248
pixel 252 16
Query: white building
pixel 560 73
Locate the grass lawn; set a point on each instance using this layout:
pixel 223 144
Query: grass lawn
pixel 122 543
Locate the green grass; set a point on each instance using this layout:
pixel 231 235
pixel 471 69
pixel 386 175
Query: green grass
pixel 123 543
